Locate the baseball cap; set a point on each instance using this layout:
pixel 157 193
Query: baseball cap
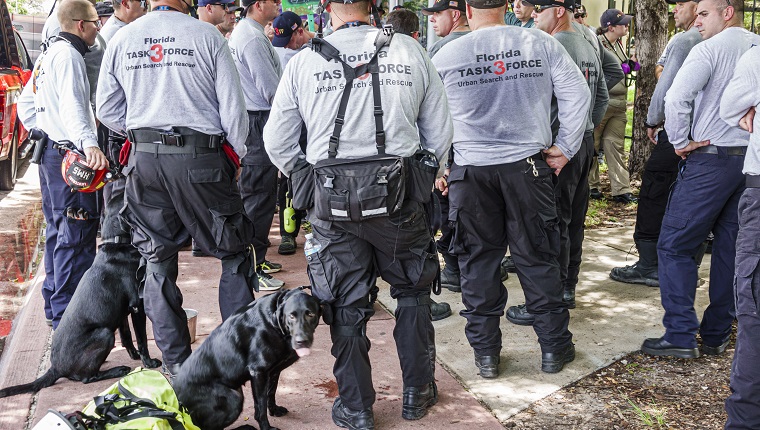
pixel 678 1
pixel 614 17
pixel 202 3
pixel 104 8
pixel 284 26
pixel 441 5
pixel 486 4
pixel 569 4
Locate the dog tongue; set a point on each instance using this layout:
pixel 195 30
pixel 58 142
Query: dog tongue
pixel 303 352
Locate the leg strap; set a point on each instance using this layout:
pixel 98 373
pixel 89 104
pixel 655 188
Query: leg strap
pixel 349 330
pixel 405 302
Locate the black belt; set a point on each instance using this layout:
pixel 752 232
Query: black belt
pixel 178 137
pixel 752 181
pixel 728 150
pixel 258 112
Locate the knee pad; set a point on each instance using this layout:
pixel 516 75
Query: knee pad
pixel 167 268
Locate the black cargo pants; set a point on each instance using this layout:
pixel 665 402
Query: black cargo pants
pixel 660 172
pixel 258 184
pixel 399 249
pixel 572 200
pixel 169 198
pixel 495 206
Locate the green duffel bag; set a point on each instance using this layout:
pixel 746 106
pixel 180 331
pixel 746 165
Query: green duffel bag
pixel 142 400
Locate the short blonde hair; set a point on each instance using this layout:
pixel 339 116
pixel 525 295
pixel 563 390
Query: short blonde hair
pixel 70 11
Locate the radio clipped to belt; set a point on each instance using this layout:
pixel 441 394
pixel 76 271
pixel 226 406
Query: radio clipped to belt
pixel 362 188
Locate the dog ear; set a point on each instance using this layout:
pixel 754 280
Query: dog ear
pixel 280 309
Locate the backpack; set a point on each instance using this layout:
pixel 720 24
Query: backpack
pixel 142 400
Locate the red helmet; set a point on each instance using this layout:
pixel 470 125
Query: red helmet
pixel 79 176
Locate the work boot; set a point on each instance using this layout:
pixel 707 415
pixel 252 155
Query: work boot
pixel 643 271
pixel 417 400
pixel 519 315
pixel 508 264
pixel 287 246
pixel 553 362
pixel 450 280
pixel 503 273
pixel 350 419
pixel 595 194
pixel 662 348
pixel 488 365
pixel 569 296
pixel 439 310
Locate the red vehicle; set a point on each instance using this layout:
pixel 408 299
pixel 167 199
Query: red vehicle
pixel 15 71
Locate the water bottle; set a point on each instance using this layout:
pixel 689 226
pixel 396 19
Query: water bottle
pixel 312 246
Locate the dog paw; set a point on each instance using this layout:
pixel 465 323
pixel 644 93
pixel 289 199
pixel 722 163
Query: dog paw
pixel 133 354
pixel 151 363
pixel 277 411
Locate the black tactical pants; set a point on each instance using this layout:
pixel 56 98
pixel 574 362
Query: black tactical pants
pixel 169 198
pixel 572 201
pixel 447 233
pixel 258 184
pixel 660 172
pixel 399 249
pixel 495 206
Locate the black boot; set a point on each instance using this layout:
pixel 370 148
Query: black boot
pixel 345 417
pixel 439 310
pixel 569 296
pixel 643 271
pixel 417 400
pixel 450 279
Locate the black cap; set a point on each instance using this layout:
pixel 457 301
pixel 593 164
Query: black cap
pixel 104 8
pixel 678 1
pixel 486 4
pixel 441 5
pixel 569 4
pixel 614 17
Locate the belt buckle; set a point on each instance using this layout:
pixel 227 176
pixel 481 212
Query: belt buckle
pixel 172 138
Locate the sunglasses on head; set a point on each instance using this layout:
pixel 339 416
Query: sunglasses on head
pixel 541 8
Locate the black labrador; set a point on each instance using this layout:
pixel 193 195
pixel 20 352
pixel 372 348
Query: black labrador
pixel 106 295
pixel 255 344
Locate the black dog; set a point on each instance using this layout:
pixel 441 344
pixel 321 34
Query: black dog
pixel 255 345
pixel 105 296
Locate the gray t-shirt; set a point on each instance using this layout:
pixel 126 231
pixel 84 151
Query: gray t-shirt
pixel 415 110
pixel 167 70
pixel 257 62
pixel 500 81
pixel 588 62
pixel 439 44
pixel 675 54
pixel 742 93
pixel 111 27
pixel 698 87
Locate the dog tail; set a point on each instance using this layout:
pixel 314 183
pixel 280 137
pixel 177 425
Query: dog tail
pixel 43 381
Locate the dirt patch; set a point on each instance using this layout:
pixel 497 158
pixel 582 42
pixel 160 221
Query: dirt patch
pixel 638 391
pixel 330 388
pixel 606 213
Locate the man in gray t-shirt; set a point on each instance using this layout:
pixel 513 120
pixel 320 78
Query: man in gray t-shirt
pixel 501 71
pixel 556 18
pixel 706 194
pixel 449 21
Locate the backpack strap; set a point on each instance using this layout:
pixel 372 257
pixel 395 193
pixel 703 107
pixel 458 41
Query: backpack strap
pixel 329 52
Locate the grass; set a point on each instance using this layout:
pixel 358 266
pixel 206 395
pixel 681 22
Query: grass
pixel 651 415
pixel 596 214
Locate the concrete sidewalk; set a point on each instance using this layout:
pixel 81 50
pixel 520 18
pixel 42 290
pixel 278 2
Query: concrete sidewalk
pixel 611 320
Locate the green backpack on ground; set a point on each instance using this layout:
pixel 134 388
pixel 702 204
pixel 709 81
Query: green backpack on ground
pixel 142 400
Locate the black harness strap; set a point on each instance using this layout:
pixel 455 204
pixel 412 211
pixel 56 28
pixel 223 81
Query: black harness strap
pixel 329 52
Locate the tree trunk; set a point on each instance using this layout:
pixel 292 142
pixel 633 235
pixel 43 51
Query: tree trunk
pixel 651 37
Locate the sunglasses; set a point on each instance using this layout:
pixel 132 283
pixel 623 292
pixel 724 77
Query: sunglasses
pixel 541 8
pixel 580 15
pixel 97 22
pixel 224 6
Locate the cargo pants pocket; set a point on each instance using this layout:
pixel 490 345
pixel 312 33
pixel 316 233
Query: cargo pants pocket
pixel 747 284
pixel 323 273
pixel 546 237
pixel 231 229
